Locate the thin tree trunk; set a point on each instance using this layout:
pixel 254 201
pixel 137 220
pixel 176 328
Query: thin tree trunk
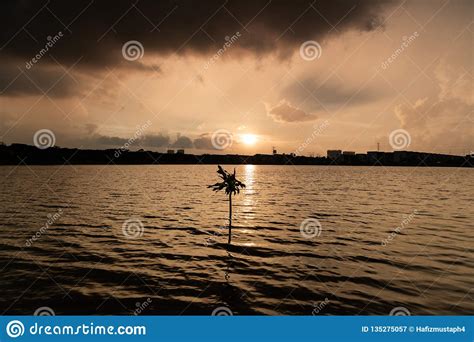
pixel 230 217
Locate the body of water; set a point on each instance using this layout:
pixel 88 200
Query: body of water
pixel 152 240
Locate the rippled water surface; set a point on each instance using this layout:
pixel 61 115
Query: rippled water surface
pixel 82 263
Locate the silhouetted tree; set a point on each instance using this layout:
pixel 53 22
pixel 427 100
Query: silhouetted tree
pixel 232 186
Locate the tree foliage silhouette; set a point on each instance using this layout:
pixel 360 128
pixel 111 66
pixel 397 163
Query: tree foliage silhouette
pixel 232 186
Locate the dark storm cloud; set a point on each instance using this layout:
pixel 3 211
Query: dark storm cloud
pixel 183 142
pixel 96 30
pixel 155 140
pixel 110 141
pixel 203 142
pixel 53 81
pixel 316 97
pixel 149 140
pixel 89 35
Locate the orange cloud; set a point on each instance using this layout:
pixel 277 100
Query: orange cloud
pixel 285 112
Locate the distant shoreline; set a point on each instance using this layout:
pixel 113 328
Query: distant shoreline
pixel 19 154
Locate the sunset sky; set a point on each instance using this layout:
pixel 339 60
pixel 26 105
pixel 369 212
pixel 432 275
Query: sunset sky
pixel 377 66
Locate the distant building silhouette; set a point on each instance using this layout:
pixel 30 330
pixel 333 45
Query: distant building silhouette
pixel 334 154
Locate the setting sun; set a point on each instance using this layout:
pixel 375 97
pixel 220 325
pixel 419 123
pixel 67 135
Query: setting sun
pixel 249 139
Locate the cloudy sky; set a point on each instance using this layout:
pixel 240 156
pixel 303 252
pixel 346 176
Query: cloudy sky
pixel 239 77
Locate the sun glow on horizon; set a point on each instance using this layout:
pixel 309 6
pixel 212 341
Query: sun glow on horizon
pixel 249 139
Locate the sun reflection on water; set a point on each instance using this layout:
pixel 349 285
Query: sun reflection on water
pixel 247 210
